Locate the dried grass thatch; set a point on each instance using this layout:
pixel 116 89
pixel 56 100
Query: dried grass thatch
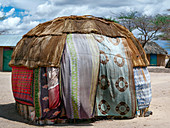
pixel 154 48
pixel 43 45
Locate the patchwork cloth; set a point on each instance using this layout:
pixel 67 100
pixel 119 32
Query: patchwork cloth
pixel 53 87
pixel 22 79
pixel 28 113
pixel 41 96
pixel 143 87
pixel 79 75
pixel 116 89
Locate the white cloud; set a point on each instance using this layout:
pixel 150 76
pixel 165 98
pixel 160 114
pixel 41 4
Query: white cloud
pixel 24 27
pixel 1 14
pixel 10 22
pixel 22 4
pixel 13 25
pixel 43 10
pixel 10 12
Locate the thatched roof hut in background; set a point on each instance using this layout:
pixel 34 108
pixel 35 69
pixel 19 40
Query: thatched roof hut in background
pixel 155 54
pixel 7 44
pixel 79 67
pixel 168 64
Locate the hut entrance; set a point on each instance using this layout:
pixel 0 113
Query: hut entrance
pixel 7 52
pixel 153 59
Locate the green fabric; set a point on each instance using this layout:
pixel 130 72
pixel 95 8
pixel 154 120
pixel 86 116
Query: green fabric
pixel 74 80
pixel 36 92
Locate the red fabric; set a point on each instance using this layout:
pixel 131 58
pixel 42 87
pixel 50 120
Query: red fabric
pixel 21 85
pixel 54 97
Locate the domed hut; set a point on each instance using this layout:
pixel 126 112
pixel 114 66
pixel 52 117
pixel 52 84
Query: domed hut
pixel 79 67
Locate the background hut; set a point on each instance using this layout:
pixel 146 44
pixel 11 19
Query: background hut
pixel 168 64
pixel 155 54
pixel 7 44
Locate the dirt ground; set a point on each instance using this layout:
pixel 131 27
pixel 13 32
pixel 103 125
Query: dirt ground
pixel 160 106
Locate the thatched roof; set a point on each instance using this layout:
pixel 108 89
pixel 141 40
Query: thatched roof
pixel 43 45
pixel 154 48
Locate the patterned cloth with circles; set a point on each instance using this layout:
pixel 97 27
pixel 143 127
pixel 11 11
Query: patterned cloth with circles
pixel 115 92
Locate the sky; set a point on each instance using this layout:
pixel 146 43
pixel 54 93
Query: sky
pixel 23 15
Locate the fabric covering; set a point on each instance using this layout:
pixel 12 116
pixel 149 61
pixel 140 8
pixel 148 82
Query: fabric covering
pixel 79 75
pixel 41 96
pixel 28 112
pixel 22 85
pixel 116 90
pixel 53 87
pixel 143 87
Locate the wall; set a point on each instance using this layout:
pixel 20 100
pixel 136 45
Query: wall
pixel 148 57
pixel 161 60
pixel 1 58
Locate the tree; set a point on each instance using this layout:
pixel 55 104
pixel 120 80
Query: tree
pixel 126 19
pixel 166 28
pixel 110 19
pixel 147 25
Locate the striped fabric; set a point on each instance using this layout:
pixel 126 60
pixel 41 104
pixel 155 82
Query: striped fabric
pixel 143 87
pixel 116 89
pixel 79 74
pixel 22 85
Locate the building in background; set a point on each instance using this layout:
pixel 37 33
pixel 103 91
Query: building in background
pixel 168 64
pixel 155 54
pixel 7 44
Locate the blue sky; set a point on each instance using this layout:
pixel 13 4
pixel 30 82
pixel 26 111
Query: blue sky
pixel 17 11
pixel 23 15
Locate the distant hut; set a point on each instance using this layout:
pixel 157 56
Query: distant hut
pixel 168 64
pixel 7 44
pixel 155 54
pixel 79 67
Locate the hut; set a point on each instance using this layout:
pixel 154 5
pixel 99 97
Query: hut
pixel 155 54
pixel 7 44
pixel 79 67
pixel 168 64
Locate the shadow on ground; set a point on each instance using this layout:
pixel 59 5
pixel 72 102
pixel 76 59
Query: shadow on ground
pixel 8 111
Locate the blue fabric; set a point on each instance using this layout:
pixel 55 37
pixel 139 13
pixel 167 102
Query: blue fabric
pixel 143 87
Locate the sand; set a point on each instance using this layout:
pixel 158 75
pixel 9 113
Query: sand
pixel 160 106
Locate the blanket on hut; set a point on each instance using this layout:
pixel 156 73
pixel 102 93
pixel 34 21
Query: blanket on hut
pixel 45 109
pixel 143 87
pixel 79 75
pixel 116 89
pixel 53 87
pixel 22 85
